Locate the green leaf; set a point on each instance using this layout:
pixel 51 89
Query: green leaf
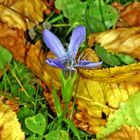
pixel 57 135
pixel 57 103
pixel 126 59
pixel 36 124
pixel 93 24
pixel 5 57
pixel 128 113
pixel 95 15
pixel 111 59
pixel 64 135
pixel 53 135
pixel 72 127
pixel 34 138
pixel 100 16
pixel 24 113
pixel 107 57
pixel 74 10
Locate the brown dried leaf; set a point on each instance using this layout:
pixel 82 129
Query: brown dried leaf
pixel 125 133
pixel 129 16
pixel 87 122
pixel 22 14
pixel 9 125
pixel 118 6
pixel 14 40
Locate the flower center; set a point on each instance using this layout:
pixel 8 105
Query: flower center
pixel 69 63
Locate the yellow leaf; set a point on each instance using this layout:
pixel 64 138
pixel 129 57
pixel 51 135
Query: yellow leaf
pixel 22 14
pixel 103 96
pixel 9 125
pixel 127 73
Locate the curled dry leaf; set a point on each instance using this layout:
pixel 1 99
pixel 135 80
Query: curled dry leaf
pixel 9 125
pixel 22 14
pixel 125 133
pixel 129 16
pixel 14 40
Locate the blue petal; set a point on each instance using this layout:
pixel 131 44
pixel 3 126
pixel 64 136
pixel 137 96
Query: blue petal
pixel 54 44
pixel 87 64
pixel 54 63
pixel 77 38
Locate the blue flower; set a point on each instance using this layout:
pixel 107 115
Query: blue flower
pixel 67 59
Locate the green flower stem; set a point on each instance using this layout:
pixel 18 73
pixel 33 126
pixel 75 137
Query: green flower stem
pixel 66 109
pixel 71 113
pixel 68 79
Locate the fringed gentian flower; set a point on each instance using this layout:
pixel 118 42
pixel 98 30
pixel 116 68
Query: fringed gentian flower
pixel 67 59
